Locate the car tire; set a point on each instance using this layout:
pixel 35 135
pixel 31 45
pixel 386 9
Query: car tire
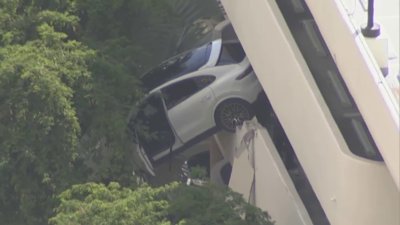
pixel 231 113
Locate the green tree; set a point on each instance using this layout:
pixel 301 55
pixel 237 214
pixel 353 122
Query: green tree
pixel 19 19
pixel 93 203
pixel 68 79
pixel 39 128
pixel 129 37
pixel 171 204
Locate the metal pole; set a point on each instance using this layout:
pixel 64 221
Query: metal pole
pixel 372 29
pixel 370 13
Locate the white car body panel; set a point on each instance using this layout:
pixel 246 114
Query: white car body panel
pixel 194 115
pixel 201 107
pixel 177 145
pixel 226 86
pixel 214 55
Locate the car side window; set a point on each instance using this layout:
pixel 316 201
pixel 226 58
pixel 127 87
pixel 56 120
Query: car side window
pixel 181 90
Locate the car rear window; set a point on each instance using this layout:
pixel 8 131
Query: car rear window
pixel 231 53
pixel 177 66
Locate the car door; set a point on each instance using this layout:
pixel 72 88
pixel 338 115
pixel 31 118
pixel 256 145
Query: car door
pixel 152 127
pixel 190 103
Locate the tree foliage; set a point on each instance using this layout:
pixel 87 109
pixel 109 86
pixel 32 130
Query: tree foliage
pixel 170 204
pixel 39 128
pixel 106 205
pixel 68 79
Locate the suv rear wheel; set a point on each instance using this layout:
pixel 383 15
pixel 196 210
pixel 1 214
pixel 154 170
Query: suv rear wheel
pixel 232 113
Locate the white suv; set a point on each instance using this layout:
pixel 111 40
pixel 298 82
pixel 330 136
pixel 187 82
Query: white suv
pixel 193 95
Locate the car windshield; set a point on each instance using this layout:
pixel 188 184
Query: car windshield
pixel 177 66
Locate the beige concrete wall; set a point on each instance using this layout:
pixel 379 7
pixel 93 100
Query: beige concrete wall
pixel 275 190
pixel 364 80
pixel 351 190
pixel 259 172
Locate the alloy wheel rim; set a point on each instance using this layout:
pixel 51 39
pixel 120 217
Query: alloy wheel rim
pixel 233 114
